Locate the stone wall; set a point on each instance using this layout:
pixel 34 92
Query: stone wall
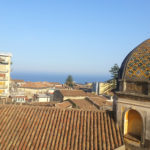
pixel 137 87
pixel 124 105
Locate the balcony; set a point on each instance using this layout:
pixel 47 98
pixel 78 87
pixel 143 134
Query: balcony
pixel 3 86
pixel 3 79
pixel 4 71
pixel 3 93
pixel 4 68
pixel 4 61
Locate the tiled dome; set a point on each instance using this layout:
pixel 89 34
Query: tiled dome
pixel 136 66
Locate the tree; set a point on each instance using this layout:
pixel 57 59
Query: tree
pixel 69 81
pixel 114 74
pixel 114 71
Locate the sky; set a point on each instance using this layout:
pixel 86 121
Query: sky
pixel 71 36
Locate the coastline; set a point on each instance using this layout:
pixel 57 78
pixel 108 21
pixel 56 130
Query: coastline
pixel 36 77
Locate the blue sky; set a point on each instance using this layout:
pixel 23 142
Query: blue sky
pixel 72 36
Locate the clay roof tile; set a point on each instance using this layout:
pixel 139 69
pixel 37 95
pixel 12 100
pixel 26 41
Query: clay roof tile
pixel 31 127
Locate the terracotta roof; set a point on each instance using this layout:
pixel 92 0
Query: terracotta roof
pixel 36 85
pixel 100 101
pixel 26 127
pixel 91 94
pixel 64 104
pixel 109 103
pixel 83 104
pixel 60 87
pixel 92 103
pixel 43 84
pixel 17 80
pixel 49 104
pixel 73 93
pixel 55 83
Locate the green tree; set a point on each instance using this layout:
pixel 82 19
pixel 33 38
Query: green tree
pixel 69 81
pixel 114 74
pixel 114 71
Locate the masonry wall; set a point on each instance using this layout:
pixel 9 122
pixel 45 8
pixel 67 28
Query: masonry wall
pixel 137 87
pixel 123 105
pixel 44 99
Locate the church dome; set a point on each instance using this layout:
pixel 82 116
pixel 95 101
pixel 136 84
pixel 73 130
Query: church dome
pixel 136 65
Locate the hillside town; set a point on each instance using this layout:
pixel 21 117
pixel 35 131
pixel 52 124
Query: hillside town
pixel 51 115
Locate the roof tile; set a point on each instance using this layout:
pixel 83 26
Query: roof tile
pixel 28 127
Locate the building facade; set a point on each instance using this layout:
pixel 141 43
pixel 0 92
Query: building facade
pixel 5 69
pixel 101 88
pixel 62 95
pixel 19 99
pixel 43 97
pixel 133 104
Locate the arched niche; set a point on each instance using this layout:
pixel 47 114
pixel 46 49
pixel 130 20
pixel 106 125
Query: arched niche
pixel 133 125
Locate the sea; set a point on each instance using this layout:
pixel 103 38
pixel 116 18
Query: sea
pixel 61 78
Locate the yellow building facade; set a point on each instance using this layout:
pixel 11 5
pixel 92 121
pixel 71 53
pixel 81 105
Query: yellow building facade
pixel 101 88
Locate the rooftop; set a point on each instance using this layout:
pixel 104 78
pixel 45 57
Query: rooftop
pixel 17 80
pixel 36 85
pixel 64 104
pixel 75 93
pixel 100 101
pixel 27 127
pixel 83 104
